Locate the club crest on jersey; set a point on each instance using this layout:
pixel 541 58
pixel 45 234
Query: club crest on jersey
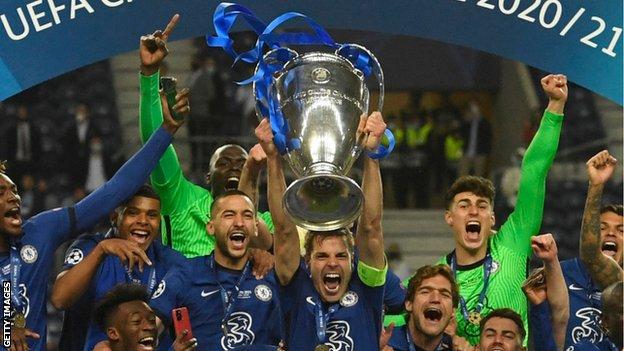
pixel 349 299
pixel 263 292
pixel 495 267
pixel 74 257
pixel 159 290
pixel 29 253
pixel 338 336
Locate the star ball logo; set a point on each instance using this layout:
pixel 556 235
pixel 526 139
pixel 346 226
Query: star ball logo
pixel 6 313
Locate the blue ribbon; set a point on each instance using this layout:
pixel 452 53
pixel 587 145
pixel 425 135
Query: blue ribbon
pixel 487 270
pixel 322 319
pixel 223 19
pixel 16 266
pixel 383 151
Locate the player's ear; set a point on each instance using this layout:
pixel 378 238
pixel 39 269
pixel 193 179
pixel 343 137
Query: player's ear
pixel 112 333
pixel 210 228
pixel 408 306
pixel 448 218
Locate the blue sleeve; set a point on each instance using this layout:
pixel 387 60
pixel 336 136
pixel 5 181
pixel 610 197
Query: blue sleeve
pixel 77 251
pixel 165 297
pixel 541 327
pixel 394 294
pixel 123 184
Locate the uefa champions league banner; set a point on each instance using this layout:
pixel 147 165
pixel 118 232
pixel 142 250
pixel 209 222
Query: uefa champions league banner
pixel 42 39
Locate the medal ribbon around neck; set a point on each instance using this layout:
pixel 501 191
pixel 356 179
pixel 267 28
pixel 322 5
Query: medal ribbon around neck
pixel 228 298
pixel 16 267
pixel 224 18
pixel 487 270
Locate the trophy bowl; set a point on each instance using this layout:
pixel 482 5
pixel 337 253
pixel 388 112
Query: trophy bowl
pixel 321 97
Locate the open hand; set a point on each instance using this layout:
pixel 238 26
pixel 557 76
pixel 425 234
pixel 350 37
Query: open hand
pixel 19 338
pixel 128 252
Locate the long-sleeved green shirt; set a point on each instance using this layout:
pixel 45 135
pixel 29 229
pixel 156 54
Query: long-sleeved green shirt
pixel 511 245
pixel 185 204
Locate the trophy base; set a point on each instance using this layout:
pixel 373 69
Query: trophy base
pixel 323 202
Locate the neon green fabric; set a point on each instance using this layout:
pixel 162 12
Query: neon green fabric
pixel 372 276
pixel 511 245
pixel 186 204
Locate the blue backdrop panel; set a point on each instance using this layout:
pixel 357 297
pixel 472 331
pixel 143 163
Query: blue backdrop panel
pixel 41 39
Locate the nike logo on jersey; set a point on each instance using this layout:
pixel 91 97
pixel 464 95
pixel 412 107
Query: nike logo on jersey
pixel 310 300
pixel 575 287
pixel 206 294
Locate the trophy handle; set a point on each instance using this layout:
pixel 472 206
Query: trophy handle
pixel 268 68
pixel 365 61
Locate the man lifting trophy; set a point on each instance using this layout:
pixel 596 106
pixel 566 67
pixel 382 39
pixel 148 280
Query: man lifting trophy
pixel 314 102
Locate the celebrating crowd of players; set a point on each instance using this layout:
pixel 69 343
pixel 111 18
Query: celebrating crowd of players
pixel 118 288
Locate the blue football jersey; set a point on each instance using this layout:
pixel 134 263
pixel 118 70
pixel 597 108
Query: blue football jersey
pixel 42 234
pixel 399 341
pixel 394 294
pixel 355 325
pixel 540 324
pixel 45 232
pixel 76 318
pixel 202 286
pixel 112 272
pixel 585 305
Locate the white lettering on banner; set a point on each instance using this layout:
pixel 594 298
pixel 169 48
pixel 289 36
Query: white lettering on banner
pixel 55 11
pixel 36 16
pixel 42 17
pixel 550 14
pixel 83 4
pixel 110 3
pixel 9 30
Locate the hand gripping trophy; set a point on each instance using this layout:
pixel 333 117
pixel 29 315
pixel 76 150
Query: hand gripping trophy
pixel 314 102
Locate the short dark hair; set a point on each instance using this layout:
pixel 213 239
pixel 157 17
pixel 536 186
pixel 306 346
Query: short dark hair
pixel 232 192
pixel 121 293
pixel 319 236
pixel 477 185
pixel 145 190
pixel 430 271
pixel 506 313
pixel 615 208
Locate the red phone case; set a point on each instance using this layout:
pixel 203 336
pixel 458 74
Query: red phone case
pixel 181 322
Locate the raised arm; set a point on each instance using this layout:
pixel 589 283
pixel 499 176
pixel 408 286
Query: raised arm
pixel 369 237
pixel 167 177
pixel 545 248
pixel 603 269
pixel 526 219
pixel 286 245
pixel 131 175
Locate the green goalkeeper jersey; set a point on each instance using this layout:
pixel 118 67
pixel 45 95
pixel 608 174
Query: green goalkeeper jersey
pixel 185 206
pixel 510 247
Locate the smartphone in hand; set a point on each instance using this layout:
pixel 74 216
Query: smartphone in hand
pixel 181 322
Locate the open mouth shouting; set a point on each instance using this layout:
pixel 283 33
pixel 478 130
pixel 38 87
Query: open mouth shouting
pixel 432 314
pixel 610 248
pixel 331 282
pixel 14 216
pixel 140 236
pixel 147 343
pixel 232 183
pixel 473 231
pixel 238 240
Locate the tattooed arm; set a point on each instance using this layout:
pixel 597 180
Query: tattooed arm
pixel 603 269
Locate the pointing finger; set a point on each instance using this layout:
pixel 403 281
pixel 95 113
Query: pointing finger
pixel 172 24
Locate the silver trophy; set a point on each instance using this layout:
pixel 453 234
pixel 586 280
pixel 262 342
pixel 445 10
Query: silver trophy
pixel 321 97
